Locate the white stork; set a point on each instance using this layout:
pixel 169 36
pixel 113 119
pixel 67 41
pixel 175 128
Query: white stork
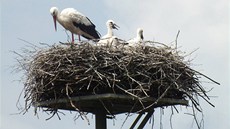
pixel 75 22
pixel 109 37
pixel 138 39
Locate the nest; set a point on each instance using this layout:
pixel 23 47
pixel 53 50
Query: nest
pixel 157 71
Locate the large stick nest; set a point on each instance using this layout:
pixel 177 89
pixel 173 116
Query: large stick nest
pixel 157 71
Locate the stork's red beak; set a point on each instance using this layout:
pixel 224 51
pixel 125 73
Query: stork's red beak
pixel 55 22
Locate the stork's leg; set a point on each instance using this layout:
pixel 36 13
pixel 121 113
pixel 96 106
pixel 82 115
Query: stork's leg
pixel 79 37
pixel 72 38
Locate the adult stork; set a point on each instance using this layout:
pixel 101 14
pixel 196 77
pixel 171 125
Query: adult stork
pixel 138 39
pixel 75 22
pixel 109 37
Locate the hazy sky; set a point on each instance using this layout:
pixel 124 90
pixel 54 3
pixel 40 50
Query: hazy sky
pixel 204 24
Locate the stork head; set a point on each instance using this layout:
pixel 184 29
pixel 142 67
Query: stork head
pixel 140 33
pixel 111 24
pixel 54 13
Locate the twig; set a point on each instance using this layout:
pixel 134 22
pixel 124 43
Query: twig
pixel 177 38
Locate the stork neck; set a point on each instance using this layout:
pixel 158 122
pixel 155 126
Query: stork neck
pixel 110 32
pixel 138 36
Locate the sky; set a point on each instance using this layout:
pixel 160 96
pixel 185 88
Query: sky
pixel 203 25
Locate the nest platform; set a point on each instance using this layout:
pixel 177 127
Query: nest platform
pixel 110 103
pixel 109 79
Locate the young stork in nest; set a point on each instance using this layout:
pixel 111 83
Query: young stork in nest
pixel 75 22
pixel 109 38
pixel 137 40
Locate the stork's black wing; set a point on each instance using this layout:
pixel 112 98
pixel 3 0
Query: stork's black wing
pixel 89 28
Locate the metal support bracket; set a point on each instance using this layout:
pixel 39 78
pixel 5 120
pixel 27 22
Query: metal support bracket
pixel 143 122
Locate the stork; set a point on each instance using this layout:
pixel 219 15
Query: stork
pixel 75 22
pixel 138 39
pixel 109 37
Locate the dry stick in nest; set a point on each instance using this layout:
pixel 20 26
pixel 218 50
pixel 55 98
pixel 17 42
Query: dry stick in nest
pixel 54 112
pixel 127 73
pixel 164 93
pixel 195 118
pixel 128 115
pixel 177 38
pixel 72 104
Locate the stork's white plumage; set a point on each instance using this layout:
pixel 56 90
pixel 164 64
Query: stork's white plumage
pixel 75 22
pixel 138 39
pixel 110 26
pixel 109 37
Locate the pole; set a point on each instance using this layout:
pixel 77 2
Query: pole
pixel 100 120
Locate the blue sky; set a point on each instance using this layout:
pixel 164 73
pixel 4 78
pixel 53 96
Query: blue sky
pixel 204 24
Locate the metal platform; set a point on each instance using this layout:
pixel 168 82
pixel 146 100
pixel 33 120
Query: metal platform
pixel 110 104
pixel 113 103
